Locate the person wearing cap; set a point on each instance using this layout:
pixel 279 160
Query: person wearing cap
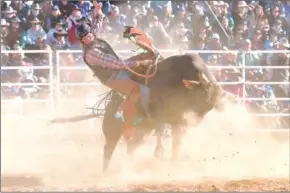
pixel 112 72
pixel 36 32
pixel 214 43
pixel 16 33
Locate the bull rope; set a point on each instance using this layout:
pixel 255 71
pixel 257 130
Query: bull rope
pixel 147 75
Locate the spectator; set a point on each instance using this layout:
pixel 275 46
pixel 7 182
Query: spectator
pixel 4 61
pixel 257 40
pixel 65 8
pixel 36 32
pixel 52 19
pixel 259 16
pixel 72 24
pixel 114 19
pixel 180 16
pixel 35 13
pixel 281 59
pixel 21 7
pixel 272 41
pixel 61 42
pixel 50 37
pixel 277 26
pixel 274 15
pixel 214 43
pixel 16 33
pixel 197 17
pixel 9 13
pixel 46 7
pixel 225 24
pixel 240 15
pixel 4 29
pixel 85 7
pixel 166 16
pixel 179 35
pixel 251 59
pixel 158 33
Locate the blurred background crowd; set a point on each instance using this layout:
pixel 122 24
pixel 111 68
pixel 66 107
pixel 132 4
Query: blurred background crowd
pixel 183 24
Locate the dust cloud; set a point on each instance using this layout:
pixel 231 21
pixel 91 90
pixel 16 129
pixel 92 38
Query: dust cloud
pixel 222 149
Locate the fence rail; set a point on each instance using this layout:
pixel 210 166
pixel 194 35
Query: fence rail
pixel 55 84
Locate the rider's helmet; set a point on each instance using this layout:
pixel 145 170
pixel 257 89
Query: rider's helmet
pixel 82 30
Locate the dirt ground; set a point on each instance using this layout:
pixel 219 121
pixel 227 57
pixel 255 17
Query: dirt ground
pixel 221 155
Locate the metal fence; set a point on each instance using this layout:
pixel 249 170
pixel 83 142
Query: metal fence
pixel 55 68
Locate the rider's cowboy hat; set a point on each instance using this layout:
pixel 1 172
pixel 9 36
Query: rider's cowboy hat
pixel 15 20
pixel 4 23
pixel 242 4
pixel 284 42
pixel 35 6
pixel 36 21
pixel 9 10
pixel 60 33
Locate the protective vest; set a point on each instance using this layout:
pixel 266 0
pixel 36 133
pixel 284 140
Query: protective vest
pixel 103 74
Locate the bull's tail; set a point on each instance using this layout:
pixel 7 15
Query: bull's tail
pixel 72 119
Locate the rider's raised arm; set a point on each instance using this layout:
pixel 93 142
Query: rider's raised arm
pixel 96 58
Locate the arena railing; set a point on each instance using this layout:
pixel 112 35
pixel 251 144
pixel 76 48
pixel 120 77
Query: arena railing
pixel 50 84
pixel 55 83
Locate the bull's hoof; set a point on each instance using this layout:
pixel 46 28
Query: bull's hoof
pixel 159 153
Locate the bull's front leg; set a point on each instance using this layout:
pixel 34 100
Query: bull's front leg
pixel 177 135
pixel 159 149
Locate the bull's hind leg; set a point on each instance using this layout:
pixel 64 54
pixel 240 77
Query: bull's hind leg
pixel 112 138
pixel 159 149
pixel 136 141
pixel 112 130
pixel 177 135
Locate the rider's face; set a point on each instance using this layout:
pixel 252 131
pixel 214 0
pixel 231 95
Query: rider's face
pixel 87 39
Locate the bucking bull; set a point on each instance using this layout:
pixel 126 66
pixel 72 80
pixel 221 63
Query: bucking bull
pixel 181 84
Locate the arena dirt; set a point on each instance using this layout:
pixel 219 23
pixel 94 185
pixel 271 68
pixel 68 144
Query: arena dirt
pixel 223 154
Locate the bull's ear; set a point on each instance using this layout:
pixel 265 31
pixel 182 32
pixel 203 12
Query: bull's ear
pixel 190 83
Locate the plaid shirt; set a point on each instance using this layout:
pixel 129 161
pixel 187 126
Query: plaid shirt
pixel 97 58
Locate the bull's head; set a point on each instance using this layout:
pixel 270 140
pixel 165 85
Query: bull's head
pixel 203 80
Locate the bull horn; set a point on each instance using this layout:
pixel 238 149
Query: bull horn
pixel 230 97
pixel 189 83
pixel 203 79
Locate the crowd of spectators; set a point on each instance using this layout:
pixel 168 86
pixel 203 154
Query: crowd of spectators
pixel 197 25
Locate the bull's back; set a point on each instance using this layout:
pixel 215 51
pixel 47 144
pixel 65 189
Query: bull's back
pixel 172 70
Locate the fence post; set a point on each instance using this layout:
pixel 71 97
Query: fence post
pixel 244 77
pixel 57 70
